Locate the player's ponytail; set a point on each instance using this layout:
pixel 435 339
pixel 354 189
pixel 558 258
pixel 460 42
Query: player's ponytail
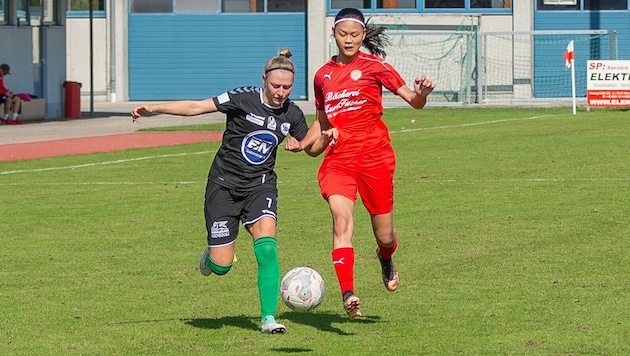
pixel 375 39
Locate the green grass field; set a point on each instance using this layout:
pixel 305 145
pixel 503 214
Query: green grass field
pixel 514 227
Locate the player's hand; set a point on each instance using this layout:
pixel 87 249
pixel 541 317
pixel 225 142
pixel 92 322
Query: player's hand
pixel 140 110
pixel 332 135
pixel 423 86
pixel 293 145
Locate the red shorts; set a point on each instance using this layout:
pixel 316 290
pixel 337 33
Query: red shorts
pixel 372 175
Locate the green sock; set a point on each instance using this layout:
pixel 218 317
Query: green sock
pixel 218 269
pixel 268 275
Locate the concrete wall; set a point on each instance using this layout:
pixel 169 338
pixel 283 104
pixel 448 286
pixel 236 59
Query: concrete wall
pixel 16 50
pixel 54 69
pixel 78 55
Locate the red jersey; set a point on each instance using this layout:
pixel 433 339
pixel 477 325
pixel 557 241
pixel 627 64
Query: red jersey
pixel 351 96
pixel 3 90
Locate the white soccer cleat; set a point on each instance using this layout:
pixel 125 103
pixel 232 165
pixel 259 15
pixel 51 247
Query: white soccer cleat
pixel 352 307
pixel 203 267
pixel 270 326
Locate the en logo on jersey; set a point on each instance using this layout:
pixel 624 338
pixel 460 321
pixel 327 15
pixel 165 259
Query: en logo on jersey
pixel 258 146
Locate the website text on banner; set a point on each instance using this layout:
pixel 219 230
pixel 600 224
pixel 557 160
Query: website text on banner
pixel 608 83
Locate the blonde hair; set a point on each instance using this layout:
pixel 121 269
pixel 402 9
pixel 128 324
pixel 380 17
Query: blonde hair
pixel 281 61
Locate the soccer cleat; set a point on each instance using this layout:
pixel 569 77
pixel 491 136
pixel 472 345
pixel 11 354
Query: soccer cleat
pixel 203 267
pixel 270 326
pixel 18 121
pixel 389 273
pixel 351 305
pixel 9 122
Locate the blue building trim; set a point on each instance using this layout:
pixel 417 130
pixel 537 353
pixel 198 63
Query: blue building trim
pixel 196 56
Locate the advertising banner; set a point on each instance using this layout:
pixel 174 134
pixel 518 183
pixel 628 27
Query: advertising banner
pixel 608 83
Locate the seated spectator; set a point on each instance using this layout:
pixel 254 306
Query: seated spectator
pixel 11 102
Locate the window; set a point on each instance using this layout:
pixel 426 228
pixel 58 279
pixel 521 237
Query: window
pixel 35 12
pixel 357 4
pixel 286 5
pixel 84 5
pixel 197 6
pixel 395 4
pixel 605 5
pixel 259 5
pixel 152 6
pixel 444 4
pixel 489 4
pixel 243 6
pixel 493 6
pixel 558 4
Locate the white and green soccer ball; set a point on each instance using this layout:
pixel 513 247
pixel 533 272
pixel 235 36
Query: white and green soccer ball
pixel 302 289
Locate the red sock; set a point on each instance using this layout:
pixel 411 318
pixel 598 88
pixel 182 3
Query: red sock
pixel 343 261
pixel 387 252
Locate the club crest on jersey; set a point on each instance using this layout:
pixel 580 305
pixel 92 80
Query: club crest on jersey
pixel 356 75
pixel 255 119
pixel 271 123
pixel 285 127
pixel 258 146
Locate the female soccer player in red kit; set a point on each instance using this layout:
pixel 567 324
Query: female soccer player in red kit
pixel 348 100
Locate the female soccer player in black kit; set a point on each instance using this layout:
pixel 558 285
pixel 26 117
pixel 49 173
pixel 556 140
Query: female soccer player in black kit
pixel 242 182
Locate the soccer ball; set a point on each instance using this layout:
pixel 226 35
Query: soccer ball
pixel 302 289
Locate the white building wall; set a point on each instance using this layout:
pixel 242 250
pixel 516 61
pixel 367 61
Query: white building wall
pixel 78 66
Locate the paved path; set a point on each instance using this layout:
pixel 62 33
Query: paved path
pixel 104 119
pixel 107 127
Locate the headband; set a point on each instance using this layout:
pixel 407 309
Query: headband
pixel 283 68
pixel 349 19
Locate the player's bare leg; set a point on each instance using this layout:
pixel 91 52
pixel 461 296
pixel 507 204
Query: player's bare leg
pixel 387 241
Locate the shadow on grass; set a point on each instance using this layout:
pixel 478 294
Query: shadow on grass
pixel 290 350
pixel 320 321
pixel 325 321
pixel 241 321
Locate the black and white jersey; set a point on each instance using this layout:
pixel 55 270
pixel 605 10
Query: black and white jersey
pixel 253 131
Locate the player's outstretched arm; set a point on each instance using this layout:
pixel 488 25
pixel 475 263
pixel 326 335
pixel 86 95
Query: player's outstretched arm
pixel 179 108
pixel 328 138
pixel 418 97
pixel 318 137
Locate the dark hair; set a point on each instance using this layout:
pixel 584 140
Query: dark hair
pixel 281 61
pixel 375 37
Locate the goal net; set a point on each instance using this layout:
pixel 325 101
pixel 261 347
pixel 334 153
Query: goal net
pixel 521 66
pixel 476 67
pixel 445 57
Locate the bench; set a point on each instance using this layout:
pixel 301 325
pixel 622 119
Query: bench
pixel 34 110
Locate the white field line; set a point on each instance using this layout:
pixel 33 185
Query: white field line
pixel 423 181
pixel 471 124
pixel 102 163
pixel 521 180
pixel 279 182
pixel 185 154
pixel 99 183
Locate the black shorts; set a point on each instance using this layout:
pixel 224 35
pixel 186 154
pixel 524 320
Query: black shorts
pixel 3 99
pixel 224 208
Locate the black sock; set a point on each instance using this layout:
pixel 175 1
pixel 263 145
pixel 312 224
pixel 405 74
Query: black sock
pixel 347 294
